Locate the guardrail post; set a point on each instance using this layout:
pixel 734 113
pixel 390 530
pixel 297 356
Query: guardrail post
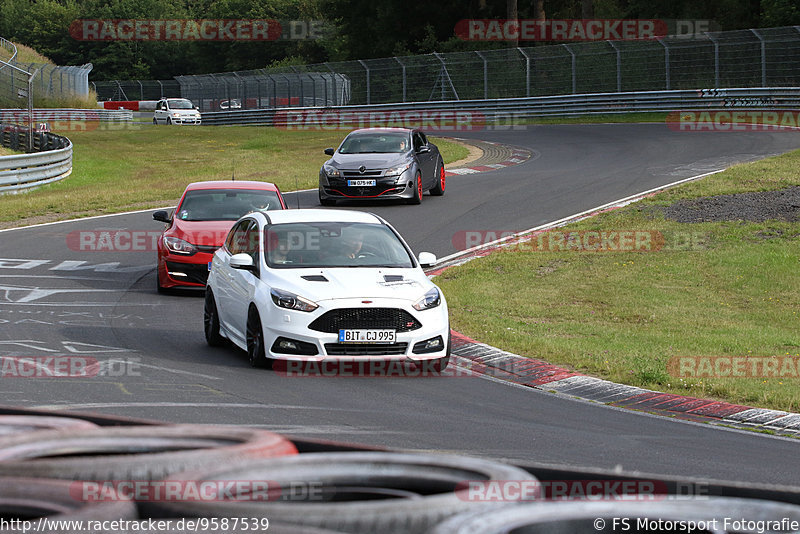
pixel 527 71
pixel 404 77
pixel 574 69
pixel 666 62
pixel 763 57
pixel 619 65
pixel 485 75
pixel 716 58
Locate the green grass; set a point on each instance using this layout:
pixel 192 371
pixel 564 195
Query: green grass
pixel 144 166
pixel 734 291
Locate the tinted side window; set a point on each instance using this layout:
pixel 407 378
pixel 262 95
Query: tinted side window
pixel 234 243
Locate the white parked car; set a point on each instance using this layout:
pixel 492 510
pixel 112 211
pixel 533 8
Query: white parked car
pixel 176 111
pixel 313 285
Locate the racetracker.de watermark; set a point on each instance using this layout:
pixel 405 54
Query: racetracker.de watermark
pixel 67 367
pixel 579 29
pixel 734 366
pixel 561 490
pixel 428 120
pixel 582 240
pixel 370 369
pixel 734 120
pixel 194 30
pixel 195 490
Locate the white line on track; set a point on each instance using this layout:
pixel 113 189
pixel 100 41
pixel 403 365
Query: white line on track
pixel 90 405
pixel 615 203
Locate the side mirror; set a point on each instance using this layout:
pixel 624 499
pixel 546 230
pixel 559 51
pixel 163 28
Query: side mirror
pixel 242 261
pixel 427 259
pixel 329 151
pixel 423 150
pixel 162 216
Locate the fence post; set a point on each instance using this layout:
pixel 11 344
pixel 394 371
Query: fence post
pixel 485 75
pixel 367 69
pixel 763 57
pixel 527 71
pixel 574 69
pixel 619 65
pixel 334 83
pixel 716 58
pixel 404 76
pixel 161 89
pixel 666 62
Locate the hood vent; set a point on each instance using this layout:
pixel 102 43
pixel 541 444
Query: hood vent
pixel 314 278
pixel 392 277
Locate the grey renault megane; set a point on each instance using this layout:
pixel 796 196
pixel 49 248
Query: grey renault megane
pixel 378 163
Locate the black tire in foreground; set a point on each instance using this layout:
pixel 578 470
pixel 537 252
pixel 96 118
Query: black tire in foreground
pixel 29 499
pixel 134 452
pixel 644 515
pixel 17 424
pixel 358 492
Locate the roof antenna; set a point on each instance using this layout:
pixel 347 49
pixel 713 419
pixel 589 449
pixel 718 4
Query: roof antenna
pixel 233 173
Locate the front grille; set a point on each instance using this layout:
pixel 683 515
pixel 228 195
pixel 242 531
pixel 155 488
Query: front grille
pixel 384 318
pixel 365 191
pixel 196 273
pixel 207 248
pixel 358 174
pixel 366 349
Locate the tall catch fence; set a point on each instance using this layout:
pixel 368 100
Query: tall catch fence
pixel 767 57
pixel 47 81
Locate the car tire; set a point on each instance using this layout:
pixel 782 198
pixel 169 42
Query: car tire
pixel 326 201
pixel 211 321
pixel 17 424
pixel 358 492
pixel 417 198
pixel 438 189
pixel 56 500
pixel 169 121
pixel 591 515
pixel 256 351
pixel 155 121
pixel 161 289
pixel 140 452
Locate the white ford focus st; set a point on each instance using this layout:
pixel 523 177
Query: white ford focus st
pixel 314 285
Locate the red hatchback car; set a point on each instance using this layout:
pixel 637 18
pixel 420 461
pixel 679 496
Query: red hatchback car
pixel 200 223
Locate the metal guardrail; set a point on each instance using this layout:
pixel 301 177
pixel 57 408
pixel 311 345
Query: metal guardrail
pixel 58 114
pixel 52 162
pixel 502 109
pixel 252 117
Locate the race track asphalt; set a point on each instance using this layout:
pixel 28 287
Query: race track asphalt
pixel 103 305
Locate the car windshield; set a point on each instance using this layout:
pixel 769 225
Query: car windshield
pixel 334 244
pixel 375 143
pixel 225 204
pixel 180 103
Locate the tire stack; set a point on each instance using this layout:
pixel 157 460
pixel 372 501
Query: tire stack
pixel 69 469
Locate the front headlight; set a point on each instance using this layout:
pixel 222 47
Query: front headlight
pixel 397 171
pixel 176 114
pixel 330 171
pixel 290 301
pixel 179 246
pixel 431 299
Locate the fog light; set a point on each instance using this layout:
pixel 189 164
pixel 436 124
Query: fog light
pixel 434 344
pixel 284 345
